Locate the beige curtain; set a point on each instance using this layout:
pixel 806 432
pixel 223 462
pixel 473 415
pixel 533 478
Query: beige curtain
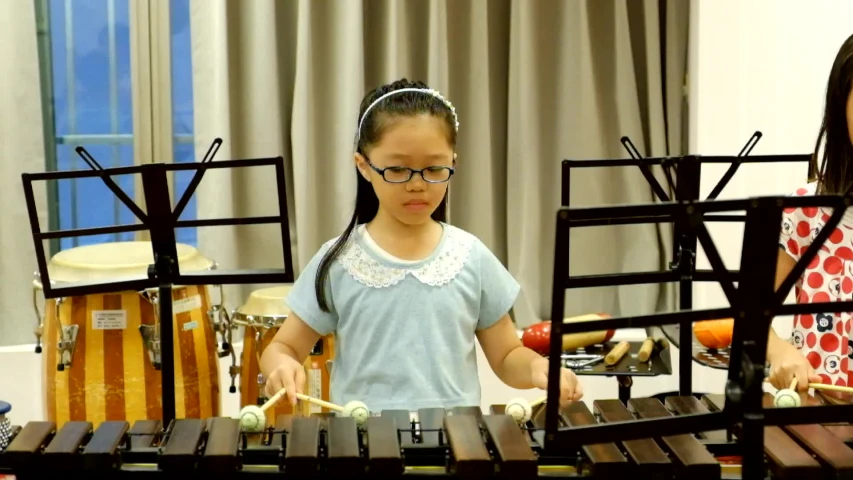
pixel 21 150
pixel 533 83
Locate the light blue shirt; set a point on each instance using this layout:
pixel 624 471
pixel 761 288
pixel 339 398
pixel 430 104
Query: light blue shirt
pixel 405 331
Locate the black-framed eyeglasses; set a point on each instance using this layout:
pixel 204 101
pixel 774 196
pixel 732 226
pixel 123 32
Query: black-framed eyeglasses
pixel 402 174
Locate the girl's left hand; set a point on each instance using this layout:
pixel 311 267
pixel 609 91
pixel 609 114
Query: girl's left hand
pixel 570 388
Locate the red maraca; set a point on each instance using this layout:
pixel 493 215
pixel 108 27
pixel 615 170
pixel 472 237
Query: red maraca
pixel 538 337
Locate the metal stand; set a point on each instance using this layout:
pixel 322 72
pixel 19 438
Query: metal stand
pixel 161 221
pixel 591 363
pixel 752 304
pixel 682 266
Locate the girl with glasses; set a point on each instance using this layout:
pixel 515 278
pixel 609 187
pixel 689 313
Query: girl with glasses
pixel 405 294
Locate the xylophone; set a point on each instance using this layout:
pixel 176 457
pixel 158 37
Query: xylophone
pixel 462 442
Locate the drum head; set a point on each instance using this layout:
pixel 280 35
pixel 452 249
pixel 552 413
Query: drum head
pixel 116 260
pixel 266 303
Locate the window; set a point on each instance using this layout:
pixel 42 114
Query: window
pixel 182 110
pixel 89 80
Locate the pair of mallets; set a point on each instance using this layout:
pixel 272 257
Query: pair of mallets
pixel 253 418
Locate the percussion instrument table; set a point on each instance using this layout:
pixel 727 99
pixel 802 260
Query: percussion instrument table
pixel 629 366
pixel 709 357
pixel 462 443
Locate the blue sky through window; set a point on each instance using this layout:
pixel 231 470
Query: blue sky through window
pixel 90 43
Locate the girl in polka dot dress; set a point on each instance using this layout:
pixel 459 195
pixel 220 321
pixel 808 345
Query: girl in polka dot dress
pixel 821 346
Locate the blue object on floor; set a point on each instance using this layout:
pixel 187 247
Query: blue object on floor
pixel 5 425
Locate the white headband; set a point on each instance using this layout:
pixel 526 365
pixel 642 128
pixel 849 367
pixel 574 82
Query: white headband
pixel 430 91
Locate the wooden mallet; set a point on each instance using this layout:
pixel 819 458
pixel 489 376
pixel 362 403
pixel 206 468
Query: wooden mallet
pixel 253 418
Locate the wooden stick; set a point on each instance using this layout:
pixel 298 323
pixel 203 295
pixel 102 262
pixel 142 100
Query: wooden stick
pixel 646 350
pixel 617 353
pixel 275 398
pixel 834 388
pixel 322 403
pixel 538 402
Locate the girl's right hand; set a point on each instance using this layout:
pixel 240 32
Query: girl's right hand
pixel 289 375
pixel 788 364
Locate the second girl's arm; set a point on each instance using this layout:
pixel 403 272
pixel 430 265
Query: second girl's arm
pixel 786 361
pixel 784 265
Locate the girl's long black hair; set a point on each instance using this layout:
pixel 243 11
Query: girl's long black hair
pixel 834 175
pixel 372 128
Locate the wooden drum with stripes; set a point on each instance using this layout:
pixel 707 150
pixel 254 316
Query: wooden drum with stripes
pixel 113 372
pixel 261 316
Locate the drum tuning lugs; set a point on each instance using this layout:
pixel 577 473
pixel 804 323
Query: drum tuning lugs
pixel 66 345
pixel 39 330
pixel 151 343
pixel 151 332
pixel 67 334
pixel 220 321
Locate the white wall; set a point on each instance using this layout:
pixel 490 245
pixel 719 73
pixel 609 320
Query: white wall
pixel 758 65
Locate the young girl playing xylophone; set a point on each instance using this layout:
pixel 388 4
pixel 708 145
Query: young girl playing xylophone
pixel 405 293
pixel 821 348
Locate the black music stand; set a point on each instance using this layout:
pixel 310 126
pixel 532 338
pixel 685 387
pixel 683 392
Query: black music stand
pixel 161 221
pixel 753 304
pixel 682 266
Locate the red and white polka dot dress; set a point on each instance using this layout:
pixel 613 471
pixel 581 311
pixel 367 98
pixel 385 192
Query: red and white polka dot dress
pixel 823 338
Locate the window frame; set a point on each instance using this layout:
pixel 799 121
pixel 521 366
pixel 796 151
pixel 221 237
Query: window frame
pixel 151 99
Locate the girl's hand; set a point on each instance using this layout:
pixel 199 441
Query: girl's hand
pixel 570 388
pixel 786 364
pixel 290 375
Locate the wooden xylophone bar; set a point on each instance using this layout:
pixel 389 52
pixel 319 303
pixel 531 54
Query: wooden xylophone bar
pixel 804 451
pixel 462 443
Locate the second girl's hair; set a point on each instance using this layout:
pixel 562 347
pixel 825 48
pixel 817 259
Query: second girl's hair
pixel 835 175
pixel 373 120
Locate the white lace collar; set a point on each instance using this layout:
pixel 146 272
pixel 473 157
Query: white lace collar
pixel 440 268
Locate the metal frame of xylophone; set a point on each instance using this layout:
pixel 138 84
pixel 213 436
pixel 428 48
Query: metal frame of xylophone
pixel 463 443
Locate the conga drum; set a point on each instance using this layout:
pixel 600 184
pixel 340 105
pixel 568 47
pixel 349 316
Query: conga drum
pixel 102 355
pixel 262 315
